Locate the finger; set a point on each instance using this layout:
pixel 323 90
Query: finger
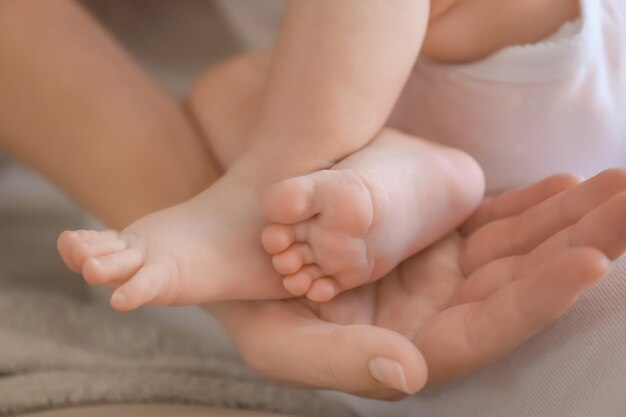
pixel 522 233
pixel 488 279
pixel 472 335
pixel 603 228
pixel 282 344
pixel 512 203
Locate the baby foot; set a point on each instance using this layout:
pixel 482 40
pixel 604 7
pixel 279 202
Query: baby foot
pixel 337 229
pixel 205 249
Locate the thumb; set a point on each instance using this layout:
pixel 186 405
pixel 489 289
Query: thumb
pixel 279 342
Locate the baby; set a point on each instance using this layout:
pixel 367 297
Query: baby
pixel 350 213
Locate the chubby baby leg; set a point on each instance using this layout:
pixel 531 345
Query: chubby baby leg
pixel 341 228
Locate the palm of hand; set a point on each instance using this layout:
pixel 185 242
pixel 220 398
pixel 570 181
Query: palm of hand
pixel 464 302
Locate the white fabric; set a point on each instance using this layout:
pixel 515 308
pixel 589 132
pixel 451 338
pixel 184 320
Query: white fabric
pixel 532 110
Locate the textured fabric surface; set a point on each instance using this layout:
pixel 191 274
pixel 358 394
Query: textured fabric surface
pixel 61 345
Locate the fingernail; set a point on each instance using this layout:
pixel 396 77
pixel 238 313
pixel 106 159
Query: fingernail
pixel 389 372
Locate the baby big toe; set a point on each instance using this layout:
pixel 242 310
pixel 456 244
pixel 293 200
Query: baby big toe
pixel 146 286
pixel 291 201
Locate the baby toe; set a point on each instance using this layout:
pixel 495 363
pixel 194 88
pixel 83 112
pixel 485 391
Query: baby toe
pixel 293 258
pixel 118 266
pixel 95 248
pixel 323 290
pixel 299 283
pixel 277 238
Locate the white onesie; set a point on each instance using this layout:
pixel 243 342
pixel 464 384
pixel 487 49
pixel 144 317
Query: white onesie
pixel 530 111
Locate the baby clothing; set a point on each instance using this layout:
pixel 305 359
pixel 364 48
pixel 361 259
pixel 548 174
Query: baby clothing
pixel 530 111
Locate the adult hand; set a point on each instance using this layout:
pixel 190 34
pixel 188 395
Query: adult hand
pixel 516 266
